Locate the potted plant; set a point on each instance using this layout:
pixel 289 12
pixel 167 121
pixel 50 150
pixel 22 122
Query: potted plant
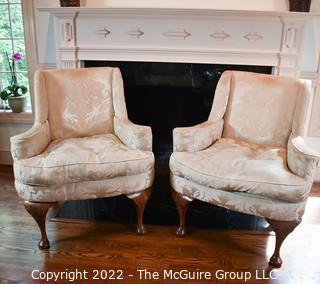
pixel 15 93
pixel 299 5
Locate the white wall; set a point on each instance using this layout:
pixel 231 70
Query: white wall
pixel 6 131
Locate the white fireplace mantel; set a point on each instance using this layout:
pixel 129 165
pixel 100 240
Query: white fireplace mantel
pixel 266 38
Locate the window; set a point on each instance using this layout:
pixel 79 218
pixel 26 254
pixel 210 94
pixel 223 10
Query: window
pixel 12 40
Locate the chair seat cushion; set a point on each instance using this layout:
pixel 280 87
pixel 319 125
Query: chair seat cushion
pixel 74 160
pixel 237 166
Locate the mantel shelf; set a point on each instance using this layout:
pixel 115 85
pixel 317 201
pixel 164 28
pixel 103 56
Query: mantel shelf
pixel 173 11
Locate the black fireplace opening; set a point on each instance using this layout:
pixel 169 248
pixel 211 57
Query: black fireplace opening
pixel 164 96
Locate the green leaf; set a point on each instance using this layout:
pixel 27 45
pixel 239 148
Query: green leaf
pixel 23 89
pixel 11 89
pixel 4 95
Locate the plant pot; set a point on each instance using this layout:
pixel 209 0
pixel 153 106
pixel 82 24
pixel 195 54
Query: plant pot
pixel 70 3
pixel 18 104
pixel 299 5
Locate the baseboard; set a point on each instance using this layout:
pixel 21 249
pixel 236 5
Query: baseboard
pixel 5 157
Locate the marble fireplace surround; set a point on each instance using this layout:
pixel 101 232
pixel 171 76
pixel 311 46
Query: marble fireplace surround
pixel 261 38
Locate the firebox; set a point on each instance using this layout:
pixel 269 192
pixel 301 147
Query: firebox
pixel 165 96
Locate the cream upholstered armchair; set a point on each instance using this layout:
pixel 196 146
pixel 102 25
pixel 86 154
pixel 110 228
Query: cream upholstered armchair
pixel 82 145
pixel 250 155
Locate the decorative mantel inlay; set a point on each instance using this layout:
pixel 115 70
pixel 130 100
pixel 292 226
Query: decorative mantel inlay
pixel 105 32
pixel 135 33
pixel 253 36
pixel 177 34
pixel 220 36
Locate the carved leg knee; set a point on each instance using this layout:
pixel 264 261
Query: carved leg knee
pixel 39 212
pixel 182 203
pixel 140 200
pixel 282 230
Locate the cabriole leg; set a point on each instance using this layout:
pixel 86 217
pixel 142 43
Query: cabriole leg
pixel 282 230
pixel 182 203
pixel 39 212
pixel 140 200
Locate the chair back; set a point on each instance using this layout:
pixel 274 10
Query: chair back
pixel 257 108
pixel 79 101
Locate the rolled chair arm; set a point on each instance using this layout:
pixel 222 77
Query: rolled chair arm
pixel 302 160
pixel 31 142
pixel 133 135
pixel 198 137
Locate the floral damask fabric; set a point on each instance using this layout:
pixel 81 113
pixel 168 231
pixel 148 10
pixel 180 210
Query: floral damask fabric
pixel 255 167
pixel 74 160
pixel 31 142
pixel 238 166
pixel 119 103
pixel 133 135
pixel 301 116
pixel 261 108
pixel 240 202
pixel 72 152
pixel 198 137
pixel 301 161
pixel 86 189
pixel 83 100
pixel 221 96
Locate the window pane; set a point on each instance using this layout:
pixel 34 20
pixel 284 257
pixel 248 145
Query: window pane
pixel 16 21
pixel 5 46
pixel 23 79
pixel 4 22
pixel 14 42
pixel 19 46
pixel 5 79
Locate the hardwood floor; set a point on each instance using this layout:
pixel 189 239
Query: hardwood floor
pixel 88 246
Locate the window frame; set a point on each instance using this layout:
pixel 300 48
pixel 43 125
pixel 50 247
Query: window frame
pixel 27 7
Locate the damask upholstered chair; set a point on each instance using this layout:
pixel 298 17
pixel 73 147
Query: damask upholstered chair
pixel 250 155
pixel 82 145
